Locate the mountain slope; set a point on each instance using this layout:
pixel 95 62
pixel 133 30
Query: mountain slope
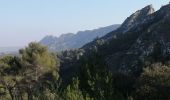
pixel 143 39
pixel 131 24
pixel 73 41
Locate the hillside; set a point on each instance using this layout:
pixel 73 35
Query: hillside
pixel 138 47
pixel 143 37
pixel 129 63
pixel 73 41
pixel 141 40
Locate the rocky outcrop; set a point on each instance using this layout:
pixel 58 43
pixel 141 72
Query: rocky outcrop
pixel 143 38
pixel 138 17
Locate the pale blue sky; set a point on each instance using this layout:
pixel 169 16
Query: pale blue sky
pixel 23 21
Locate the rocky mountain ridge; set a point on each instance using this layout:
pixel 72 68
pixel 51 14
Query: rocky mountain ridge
pixel 142 35
pixel 73 41
pixel 142 39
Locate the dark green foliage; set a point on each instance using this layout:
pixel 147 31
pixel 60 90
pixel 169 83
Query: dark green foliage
pixel 33 71
pixel 73 92
pixel 154 83
pixel 96 80
pixel 33 75
pixel 124 83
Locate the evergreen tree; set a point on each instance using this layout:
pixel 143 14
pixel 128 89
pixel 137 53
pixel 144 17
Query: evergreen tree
pixel 34 70
pixel 72 92
pixel 97 80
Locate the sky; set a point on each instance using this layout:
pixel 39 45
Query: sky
pixel 23 21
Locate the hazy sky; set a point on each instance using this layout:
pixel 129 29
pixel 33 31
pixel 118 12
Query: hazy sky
pixel 22 21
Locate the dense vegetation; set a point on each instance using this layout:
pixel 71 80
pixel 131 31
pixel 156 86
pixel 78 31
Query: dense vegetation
pixel 34 75
pixel 131 63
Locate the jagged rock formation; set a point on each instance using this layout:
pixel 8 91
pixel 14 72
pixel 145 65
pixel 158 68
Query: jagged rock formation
pixel 142 39
pixel 73 41
pixel 138 17
pixel 132 23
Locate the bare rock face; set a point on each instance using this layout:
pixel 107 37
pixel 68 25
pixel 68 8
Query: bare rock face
pixel 143 38
pixel 132 23
pixel 150 44
pixel 136 18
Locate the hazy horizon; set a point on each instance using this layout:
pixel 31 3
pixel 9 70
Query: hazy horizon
pixel 26 21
